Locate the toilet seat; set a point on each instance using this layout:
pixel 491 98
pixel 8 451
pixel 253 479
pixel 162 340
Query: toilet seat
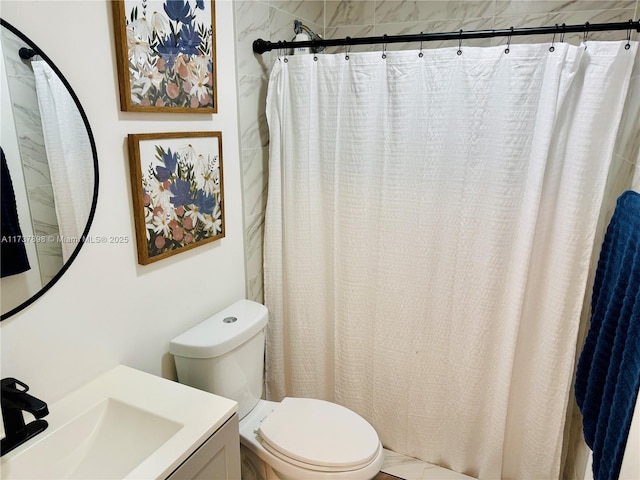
pixel 319 435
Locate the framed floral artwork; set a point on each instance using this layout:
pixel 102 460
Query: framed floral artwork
pixel 178 195
pixel 166 55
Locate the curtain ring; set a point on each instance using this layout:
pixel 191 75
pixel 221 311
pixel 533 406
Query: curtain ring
pixel 507 50
pixel 459 52
pixel 628 45
pixel 563 32
pixel 347 48
pixel 282 55
pixel 553 40
pixel 585 37
pixel 384 46
pixel 422 54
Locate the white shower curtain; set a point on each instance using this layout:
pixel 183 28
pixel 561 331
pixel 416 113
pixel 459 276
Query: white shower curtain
pixel 69 155
pixel 428 233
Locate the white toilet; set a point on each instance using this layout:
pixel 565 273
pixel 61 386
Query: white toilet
pixel 296 439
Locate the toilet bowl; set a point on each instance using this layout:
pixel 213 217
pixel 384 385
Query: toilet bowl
pixel 296 439
pixel 354 453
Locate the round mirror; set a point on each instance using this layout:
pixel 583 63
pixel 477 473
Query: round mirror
pixel 49 172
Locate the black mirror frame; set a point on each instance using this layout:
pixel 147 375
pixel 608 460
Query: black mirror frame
pixel 94 201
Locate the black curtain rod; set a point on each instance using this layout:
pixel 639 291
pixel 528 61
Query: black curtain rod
pixel 261 46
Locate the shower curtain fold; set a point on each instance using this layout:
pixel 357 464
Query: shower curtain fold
pixel 68 151
pixel 428 232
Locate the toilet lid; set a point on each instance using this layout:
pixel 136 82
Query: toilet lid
pixel 319 434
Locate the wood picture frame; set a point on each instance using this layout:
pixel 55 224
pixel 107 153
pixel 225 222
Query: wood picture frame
pixel 178 192
pixel 166 55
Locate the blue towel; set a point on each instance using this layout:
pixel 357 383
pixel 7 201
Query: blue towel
pixel 608 372
pixel 13 254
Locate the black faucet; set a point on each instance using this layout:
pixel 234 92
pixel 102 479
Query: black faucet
pixel 14 400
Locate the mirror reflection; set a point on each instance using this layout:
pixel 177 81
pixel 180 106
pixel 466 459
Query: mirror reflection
pixel 49 172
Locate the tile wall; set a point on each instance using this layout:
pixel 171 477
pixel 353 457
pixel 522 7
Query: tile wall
pixel 393 17
pixel 267 20
pixel 37 178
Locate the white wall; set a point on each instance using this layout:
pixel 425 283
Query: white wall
pixel 630 468
pixel 107 309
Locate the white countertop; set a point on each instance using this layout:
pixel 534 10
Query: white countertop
pixel 189 416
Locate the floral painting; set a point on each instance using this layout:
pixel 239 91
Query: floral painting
pixel 177 191
pixel 166 55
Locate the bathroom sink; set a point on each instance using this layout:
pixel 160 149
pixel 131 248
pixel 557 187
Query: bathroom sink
pixel 125 424
pixel 109 430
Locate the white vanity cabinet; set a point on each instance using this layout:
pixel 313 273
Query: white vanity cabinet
pixel 218 458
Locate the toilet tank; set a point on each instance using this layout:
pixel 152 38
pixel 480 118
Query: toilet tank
pixel 224 354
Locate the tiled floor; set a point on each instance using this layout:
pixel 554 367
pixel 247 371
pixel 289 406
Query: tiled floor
pixel 399 466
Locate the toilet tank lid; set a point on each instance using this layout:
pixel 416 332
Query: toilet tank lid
pixel 220 333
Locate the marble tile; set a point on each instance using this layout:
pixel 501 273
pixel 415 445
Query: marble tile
pixel 50 249
pixel 351 31
pixel 28 128
pixel 255 288
pixel 281 25
pixel 25 101
pixel 35 164
pixel 409 468
pixel 280 28
pixel 253 237
pixel 42 227
pixel 308 11
pixel 349 12
pixel 393 11
pixel 482 23
pixel 252 92
pixel 396 11
pixel 619 179
pixel 45 225
pixel 13 63
pixel 635 182
pixel 570 18
pixel 519 7
pixel 49 253
pixel 252 22
pixel 628 140
pixel 42 205
pixel 405 28
pixel 50 265
pixel 255 173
